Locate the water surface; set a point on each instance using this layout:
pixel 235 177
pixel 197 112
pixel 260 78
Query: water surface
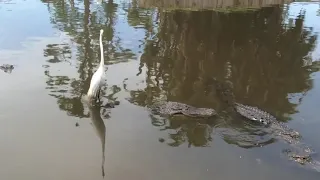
pixel 269 52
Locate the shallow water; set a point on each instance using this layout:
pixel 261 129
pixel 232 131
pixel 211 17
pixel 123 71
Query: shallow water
pixel 270 54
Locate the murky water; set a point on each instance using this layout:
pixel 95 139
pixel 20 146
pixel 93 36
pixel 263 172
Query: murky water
pixel 153 52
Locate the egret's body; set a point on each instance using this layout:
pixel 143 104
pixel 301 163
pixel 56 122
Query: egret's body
pixel 97 78
pixel 99 2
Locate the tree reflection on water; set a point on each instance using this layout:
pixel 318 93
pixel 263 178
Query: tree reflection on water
pixel 262 55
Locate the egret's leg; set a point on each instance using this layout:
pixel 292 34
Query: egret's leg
pixel 98 95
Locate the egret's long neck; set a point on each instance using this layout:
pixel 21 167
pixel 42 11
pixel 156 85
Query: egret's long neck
pixel 101 53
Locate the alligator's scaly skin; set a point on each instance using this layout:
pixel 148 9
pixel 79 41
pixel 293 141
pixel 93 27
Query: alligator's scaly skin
pixel 172 108
pixel 279 129
pixel 254 114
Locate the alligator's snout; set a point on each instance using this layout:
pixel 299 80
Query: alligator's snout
pixel 208 112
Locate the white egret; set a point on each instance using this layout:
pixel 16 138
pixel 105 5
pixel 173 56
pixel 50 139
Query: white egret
pixel 99 2
pixel 97 78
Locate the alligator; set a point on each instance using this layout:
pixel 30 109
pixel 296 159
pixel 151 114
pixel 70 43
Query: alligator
pixel 169 108
pixel 302 153
pixel 279 128
pixel 252 113
pixel 255 114
pixel 303 158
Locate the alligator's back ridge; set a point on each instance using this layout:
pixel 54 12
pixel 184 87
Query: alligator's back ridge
pixel 172 108
pixel 254 113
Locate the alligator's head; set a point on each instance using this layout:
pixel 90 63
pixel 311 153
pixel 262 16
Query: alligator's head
pixel 200 112
pixel 261 120
pixel 301 159
pixel 254 117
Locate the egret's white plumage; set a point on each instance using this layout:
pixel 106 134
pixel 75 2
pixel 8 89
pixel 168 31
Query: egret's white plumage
pixel 97 78
pixel 99 2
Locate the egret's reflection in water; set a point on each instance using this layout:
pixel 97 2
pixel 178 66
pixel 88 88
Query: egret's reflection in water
pixel 100 129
